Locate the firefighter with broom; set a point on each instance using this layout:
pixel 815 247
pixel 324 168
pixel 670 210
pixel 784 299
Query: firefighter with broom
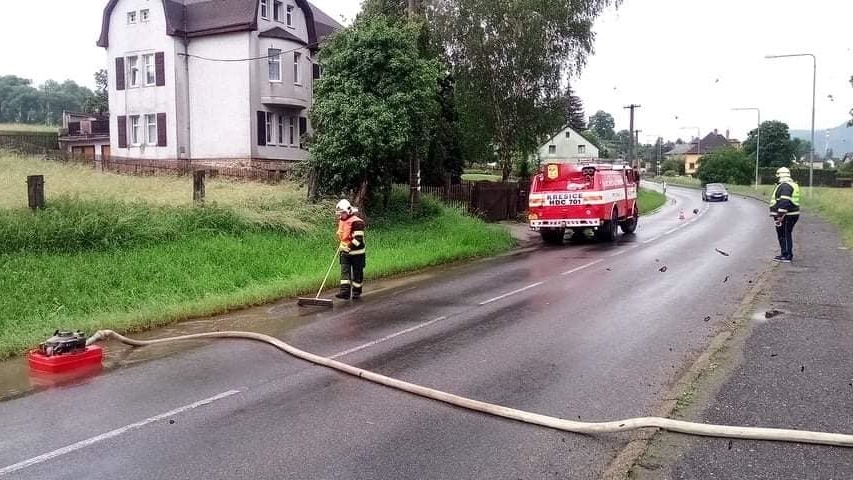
pixel 352 256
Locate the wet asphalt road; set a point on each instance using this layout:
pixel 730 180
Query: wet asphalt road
pixel 582 331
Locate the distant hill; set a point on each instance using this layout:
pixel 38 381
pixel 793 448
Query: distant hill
pixel 840 139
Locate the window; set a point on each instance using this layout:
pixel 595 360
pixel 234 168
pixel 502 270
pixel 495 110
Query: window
pixel 135 130
pixel 264 13
pixel 581 148
pixel 133 71
pixel 148 65
pixel 281 129
pixel 143 15
pixel 276 10
pixel 151 122
pixel 270 119
pixel 274 58
pixel 289 16
pixel 568 134
pixel 296 77
pixel 292 131
pixel 131 17
pixel 552 149
pixel 691 166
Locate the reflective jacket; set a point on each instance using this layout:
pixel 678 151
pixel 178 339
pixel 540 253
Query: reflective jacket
pixel 785 199
pixel 351 235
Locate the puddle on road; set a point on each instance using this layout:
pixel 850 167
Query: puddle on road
pixel 274 319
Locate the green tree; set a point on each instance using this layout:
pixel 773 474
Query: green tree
pixel 673 164
pixel 725 165
pixel 574 111
pixel 850 123
pixel 99 101
pixel 602 124
pixel 373 108
pixel 801 148
pixel 776 149
pixel 509 58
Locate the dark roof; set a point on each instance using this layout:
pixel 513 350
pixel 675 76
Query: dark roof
pixel 197 18
pixel 278 32
pixel 712 141
pixel 680 149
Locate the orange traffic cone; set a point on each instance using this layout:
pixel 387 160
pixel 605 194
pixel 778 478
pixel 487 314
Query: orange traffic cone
pixel 681 214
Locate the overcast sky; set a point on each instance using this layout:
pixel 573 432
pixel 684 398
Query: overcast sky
pixel 687 62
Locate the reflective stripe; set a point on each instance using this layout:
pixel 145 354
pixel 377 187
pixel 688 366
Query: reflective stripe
pixel 356 252
pixel 345 282
pixel 792 213
pixel 358 233
pixel 356 242
pixel 784 197
pixel 357 285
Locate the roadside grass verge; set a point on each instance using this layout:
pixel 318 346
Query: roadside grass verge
pixel 650 200
pixel 476 177
pixel 26 127
pixel 88 280
pixel 833 204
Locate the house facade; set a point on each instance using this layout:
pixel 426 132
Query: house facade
pixel 692 152
pixel 212 81
pixel 567 146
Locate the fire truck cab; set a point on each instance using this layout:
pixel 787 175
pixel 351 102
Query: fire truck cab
pixel 585 199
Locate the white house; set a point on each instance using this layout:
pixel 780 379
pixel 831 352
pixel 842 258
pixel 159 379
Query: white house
pixel 567 146
pixel 212 81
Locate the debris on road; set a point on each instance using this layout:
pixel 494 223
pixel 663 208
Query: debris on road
pixel 773 313
pixel 708 318
pixel 726 279
pixel 721 252
pixel 662 269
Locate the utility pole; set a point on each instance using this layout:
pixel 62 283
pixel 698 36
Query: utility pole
pixel 631 136
pixel 412 8
pixel 414 158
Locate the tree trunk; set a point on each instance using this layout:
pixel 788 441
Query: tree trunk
pixel 361 195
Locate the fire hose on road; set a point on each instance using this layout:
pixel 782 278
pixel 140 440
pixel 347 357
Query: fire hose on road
pixel 691 428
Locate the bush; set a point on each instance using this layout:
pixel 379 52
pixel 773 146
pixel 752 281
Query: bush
pixel 675 165
pixel 670 173
pixel 725 166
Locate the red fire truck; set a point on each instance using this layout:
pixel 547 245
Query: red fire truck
pixel 585 199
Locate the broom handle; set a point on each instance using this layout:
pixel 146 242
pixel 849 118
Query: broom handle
pixel 328 272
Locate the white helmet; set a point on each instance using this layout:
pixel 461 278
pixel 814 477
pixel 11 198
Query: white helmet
pixel 343 206
pixel 783 172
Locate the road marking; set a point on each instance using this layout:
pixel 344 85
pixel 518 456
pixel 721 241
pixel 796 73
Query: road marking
pixel 650 240
pixel 510 293
pixel 113 433
pixel 578 269
pixel 386 338
pixel 670 231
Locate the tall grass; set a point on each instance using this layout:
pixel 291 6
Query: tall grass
pixel 94 264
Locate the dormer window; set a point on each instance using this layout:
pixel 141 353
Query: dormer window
pixel 143 15
pixel 289 16
pixel 264 9
pixel 277 10
pixel 568 134
pixel 131 17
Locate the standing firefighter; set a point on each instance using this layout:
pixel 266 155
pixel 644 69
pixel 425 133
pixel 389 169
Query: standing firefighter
pixel 351 236
pixel 785 210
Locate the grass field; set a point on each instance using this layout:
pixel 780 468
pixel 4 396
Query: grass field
pixel 131 253
pixel 25 127
pixel 650 200
pixel 476 177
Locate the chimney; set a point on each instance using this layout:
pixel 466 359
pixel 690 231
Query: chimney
pixel 715 132
pixel 727 134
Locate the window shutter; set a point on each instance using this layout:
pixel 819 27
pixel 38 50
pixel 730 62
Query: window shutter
pixel 122 131
pixel 160 68
pixel 316 69
pixel 262 128
pixel 119 73
pixel 161 129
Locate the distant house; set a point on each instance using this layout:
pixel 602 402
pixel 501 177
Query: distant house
pixel 85 135
pixel 693 151
pixel 212 81
pixel 567 146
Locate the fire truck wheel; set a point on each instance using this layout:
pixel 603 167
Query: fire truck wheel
pixel 630 224
pixel 610 229
pixel 553 237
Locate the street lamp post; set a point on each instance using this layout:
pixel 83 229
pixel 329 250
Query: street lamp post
pixel 814 85
pixel 757 139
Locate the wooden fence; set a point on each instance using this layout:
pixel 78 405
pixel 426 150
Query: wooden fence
pixel 491 201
